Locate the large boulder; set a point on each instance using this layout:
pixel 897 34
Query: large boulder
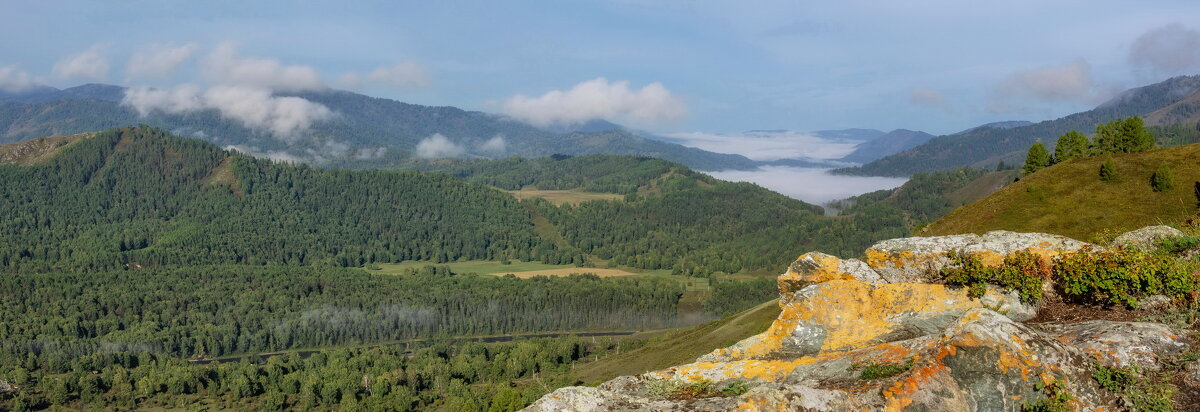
pixel 919 259
pixel 1122 344
pixel 1145 238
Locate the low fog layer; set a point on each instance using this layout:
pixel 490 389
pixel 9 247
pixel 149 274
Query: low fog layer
pixel 768 145
pixel 811 185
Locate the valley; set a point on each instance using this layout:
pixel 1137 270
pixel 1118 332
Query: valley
pixel 599 206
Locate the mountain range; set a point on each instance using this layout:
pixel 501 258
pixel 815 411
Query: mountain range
pixel 365 131
pixel 369 132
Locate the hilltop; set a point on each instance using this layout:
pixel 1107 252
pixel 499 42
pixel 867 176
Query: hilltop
pixel 1070 199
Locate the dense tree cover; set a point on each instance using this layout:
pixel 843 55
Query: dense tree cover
pixel 730 296
pixel 51 318
pixel 444 376
pixel 1176 134
pixel 726 227
pixel 921 200
pixel 1037 159
pixel 594 173
pixel 138 196
pixel 984 144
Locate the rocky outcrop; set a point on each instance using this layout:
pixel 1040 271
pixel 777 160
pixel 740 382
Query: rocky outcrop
pixel 918 259
pixel 1145 238
pixel 844 321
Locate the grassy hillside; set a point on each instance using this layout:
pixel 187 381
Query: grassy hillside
pixel 1069 198
pixel 681 347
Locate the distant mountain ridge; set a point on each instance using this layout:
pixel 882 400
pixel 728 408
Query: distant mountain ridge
pixel 367 131
pixel 891 142
pixel 984 147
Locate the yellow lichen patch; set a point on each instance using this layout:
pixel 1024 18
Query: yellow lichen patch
pixel 766 370
pixel 824 268
pixel 853 313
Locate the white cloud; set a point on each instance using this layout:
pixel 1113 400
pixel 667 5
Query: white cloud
pixel 1171 49
pixel 402 75
pixel 768 145
pixel 175 100
pixel 598 99
pixel 224 66
pixel 257 108
pixel 285 117
pixel 495 145
pixel 15 81
pixel 159 60
pixel 88 65
pixel 438 146
pixel 1067 82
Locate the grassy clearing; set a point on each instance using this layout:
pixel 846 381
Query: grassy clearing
pixel 560 197
pixel 604 273
pixel 482 267
pixel 531 269
pixel 1070 199
pixel 681 347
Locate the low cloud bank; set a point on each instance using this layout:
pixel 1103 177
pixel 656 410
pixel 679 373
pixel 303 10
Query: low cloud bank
pixel 773 145
pixel 284 117
pixel 811 185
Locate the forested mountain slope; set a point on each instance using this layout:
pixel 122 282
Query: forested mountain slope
pixel 984 147
pixel 138 196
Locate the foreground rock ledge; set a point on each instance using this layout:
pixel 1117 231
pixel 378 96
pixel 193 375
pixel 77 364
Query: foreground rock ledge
pixel 839 316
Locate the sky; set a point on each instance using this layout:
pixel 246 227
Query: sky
pixel 671 67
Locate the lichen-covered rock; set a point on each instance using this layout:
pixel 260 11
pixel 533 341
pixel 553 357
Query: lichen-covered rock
pixel 840 317
pixel 918 259
pixel 1122 344
pixel 843 314
pixel 1145 238
pixel 585 399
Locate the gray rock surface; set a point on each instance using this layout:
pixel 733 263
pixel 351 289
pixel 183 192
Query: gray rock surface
pixel 1145 238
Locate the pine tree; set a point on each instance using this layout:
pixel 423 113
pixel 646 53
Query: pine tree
pixel 1037 159
pixel 1108 171
pixel 1071 145
pixel 1162 179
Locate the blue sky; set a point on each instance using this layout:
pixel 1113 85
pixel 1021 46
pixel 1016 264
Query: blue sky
pixel 666 66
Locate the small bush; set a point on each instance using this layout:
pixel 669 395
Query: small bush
pixel 1022 271
pixel 1178 245
pixel 885 370
pixel 1108 171
pixel 1116 380
pixel 1162 179
pixel 1057 398
pixel 1121 276
pixel 694 390
pixel 1152 393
